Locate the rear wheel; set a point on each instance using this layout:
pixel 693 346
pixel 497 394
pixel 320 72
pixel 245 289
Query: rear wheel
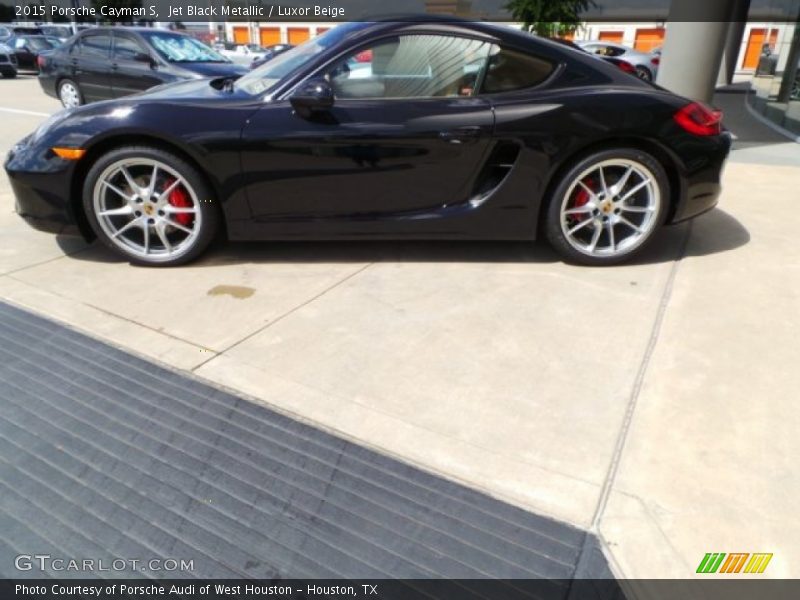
pixel 150 206
pixel 9 74
pixel 644 73
pixel 69 93
pixel 607 207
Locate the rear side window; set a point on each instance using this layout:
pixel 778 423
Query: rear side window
pixel 510 70
pixel 96 46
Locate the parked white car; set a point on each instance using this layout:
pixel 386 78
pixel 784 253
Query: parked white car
pixel 646 64
pixel 243 54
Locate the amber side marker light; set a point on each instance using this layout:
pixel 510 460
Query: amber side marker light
pixel 69 153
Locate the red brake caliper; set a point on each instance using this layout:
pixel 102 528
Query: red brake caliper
pixel 581 198
pixel 178 197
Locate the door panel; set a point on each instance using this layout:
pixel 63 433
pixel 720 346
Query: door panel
pixel 648 40
pixel 241 35
pixel 269 36
pixel 365 157
pixel 615 37
pixel 298 35
pixel 91 66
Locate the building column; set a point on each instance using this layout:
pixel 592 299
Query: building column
pixel 693 49
pixel 733 43
pixel 792 65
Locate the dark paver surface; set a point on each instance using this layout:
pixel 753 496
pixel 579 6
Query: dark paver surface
pixel 104 455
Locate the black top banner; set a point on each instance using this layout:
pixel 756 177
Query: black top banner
pixel 367 10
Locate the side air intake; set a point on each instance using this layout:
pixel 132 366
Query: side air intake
pixel 499 164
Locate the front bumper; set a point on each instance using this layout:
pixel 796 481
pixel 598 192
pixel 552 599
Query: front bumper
pixel 42 186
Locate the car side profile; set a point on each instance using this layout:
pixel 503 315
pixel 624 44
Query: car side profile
pixel 416 130
pixel 111 62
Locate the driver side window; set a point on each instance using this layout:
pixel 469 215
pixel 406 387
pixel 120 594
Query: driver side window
pixel 412 66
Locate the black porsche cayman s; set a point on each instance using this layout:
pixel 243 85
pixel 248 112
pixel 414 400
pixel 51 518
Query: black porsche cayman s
pixel 404 130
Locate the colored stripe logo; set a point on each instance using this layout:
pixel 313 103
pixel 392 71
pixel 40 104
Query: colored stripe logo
pixel 720 562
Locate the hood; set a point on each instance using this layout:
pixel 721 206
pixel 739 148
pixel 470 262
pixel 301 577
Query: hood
pixel 189 90
pixel 212 69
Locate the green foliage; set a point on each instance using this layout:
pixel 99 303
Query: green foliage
pixel 549 18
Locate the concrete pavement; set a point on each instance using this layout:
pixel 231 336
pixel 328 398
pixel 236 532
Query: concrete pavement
pixel 652 403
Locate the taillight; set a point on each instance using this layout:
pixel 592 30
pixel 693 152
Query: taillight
pixel 655 60
pixel 627 67
pixel 699 119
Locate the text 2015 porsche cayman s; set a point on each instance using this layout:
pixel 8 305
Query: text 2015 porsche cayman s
pixel 404 130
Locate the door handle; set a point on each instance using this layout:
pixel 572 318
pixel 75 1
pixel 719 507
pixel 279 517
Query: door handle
pixel 461 134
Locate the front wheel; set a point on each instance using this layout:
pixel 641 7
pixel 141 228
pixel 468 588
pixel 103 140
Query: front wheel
pixel 150 206
pixel 607 207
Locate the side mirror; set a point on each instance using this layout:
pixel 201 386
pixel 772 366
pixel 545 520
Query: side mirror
pixel 144 57
pixel 314 95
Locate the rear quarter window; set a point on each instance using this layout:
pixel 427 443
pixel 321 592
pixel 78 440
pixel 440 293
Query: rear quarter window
pixel 511 70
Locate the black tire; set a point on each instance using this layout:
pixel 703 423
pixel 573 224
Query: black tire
pixel 9 74
pixel 552 225
pixel 60 93
pixel 210 216
pixel 644 74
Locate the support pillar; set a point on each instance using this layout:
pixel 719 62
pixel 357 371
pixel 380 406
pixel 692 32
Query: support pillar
pixel 733 43
pixel 693 49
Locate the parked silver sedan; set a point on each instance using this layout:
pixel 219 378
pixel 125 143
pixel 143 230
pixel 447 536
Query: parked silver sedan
pixel 646 64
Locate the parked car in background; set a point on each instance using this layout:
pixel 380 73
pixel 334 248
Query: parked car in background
pixel 617 62
pixel 646 65
pixel 8 61
pixel 27 48
pixel 110 62
pixel 270 52
pixel 60 32
pixel 243 54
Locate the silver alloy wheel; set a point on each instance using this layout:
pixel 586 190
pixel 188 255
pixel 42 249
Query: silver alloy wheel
pixel 68 94
pixel 131 200
pixel 644 73
pixel 611 208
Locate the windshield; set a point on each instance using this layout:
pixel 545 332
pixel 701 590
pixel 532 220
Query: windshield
pixel 182 48
pixel 270 73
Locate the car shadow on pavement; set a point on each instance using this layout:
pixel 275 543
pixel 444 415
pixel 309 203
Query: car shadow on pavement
pixel 721 232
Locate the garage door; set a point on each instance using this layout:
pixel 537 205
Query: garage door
pixel 612 36
pixel 298 35
pixel 241 35
pixel 757 38
pixel 648 40
pixel 269 36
